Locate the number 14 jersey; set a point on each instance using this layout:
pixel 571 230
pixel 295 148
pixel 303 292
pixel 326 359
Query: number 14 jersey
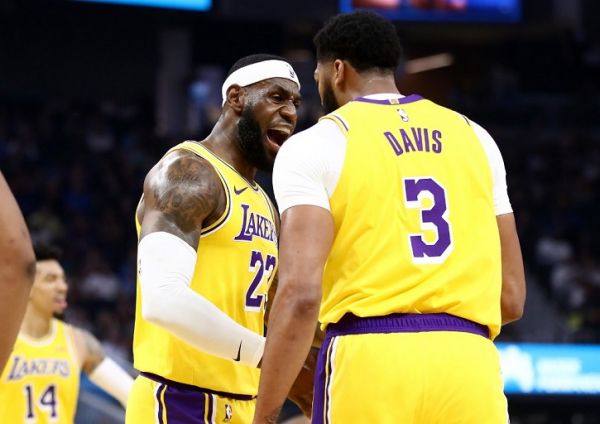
pixel 236 263
pixel 40 383
pixel 414 216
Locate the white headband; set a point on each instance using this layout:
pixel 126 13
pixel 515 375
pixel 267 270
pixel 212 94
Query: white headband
pixel 258 72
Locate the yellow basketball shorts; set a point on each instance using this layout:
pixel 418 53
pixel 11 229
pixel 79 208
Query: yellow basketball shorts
pixel 408 369
pixel 164 402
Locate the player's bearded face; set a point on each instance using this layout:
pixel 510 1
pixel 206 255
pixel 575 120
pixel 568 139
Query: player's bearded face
pixel 250 139
pixel 328 98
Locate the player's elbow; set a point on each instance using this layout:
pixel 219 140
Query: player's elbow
pixel 511 312
pixel 306 301
pixel 513 301
pixel 153 307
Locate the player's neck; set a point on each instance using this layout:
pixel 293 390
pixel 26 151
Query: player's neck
pixel 374 85
pixel 36 324
pixel 222 141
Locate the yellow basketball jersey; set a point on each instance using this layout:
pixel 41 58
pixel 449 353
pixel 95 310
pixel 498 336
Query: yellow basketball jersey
pixel 40 383
pixel 415 226
pixel 237 261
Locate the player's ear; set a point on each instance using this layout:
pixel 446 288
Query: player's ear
pixel 339 72
pixel 236 97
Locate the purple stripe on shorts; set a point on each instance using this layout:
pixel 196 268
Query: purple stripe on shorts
pixel 184 406
pixel 161 388
pixel 405 323
pixel 320 385
pixel 394 101
pixel 211 405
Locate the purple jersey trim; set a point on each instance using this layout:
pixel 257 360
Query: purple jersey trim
pixel 183 386
pixel 394 101
pixel 405 323
pixel 340 120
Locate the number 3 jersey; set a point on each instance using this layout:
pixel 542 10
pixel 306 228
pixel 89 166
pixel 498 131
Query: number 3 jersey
pixel 236 263
pixel 413 208
pixel 40 383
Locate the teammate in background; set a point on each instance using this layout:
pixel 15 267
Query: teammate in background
pixel 398 235
pixel 17 266
pixel 40 382
pixel 208 254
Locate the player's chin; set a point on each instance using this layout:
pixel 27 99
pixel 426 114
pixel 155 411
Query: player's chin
pixel 59 309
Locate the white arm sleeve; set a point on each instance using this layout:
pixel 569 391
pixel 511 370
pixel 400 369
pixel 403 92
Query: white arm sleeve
pixel 308 166
pixel 166 265
pixel 501 201
pixel 113 379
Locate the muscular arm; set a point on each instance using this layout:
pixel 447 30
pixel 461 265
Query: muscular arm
pixel 17 268
pixel 306 238
pixel 102 370
pixel 513 274
pixel 181 194
pixel 301 392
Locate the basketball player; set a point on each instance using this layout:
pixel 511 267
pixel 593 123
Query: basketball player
pixel 17 265
pixel 398 234
pixel 40 382
pixel 208 254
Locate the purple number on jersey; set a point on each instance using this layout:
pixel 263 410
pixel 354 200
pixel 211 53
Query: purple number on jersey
pixel 432 218
pixel 254 301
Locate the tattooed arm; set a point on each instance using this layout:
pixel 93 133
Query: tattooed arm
pixel 102 371
pixel 181 195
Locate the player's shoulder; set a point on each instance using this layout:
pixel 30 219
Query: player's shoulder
pixel 181 166
pixel 79 334
pixel 313 138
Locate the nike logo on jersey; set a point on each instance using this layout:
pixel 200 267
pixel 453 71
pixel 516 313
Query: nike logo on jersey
pixel 240 191
pixel 237 358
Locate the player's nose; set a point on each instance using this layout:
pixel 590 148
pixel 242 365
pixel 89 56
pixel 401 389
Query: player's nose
pixel 289 112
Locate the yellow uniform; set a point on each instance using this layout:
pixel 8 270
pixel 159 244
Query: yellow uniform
pixel 415 234
pixel 236 263
pixel 40 383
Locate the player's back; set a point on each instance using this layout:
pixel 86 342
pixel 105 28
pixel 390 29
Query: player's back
pixel 414 216
pixel 40 382
pixel 236 263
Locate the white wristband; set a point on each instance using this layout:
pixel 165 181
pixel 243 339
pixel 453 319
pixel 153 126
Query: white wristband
pixel 112 379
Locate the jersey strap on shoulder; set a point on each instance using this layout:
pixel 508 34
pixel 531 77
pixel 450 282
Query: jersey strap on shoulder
pixel 205 154
pixel 340 122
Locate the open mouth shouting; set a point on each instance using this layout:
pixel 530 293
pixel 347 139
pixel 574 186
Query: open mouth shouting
pixel 277 136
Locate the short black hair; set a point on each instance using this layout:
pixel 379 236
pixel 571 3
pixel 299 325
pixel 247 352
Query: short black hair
pixel 253 58
pixel 365 39
pixel 47 252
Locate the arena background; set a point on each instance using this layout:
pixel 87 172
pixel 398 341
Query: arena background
pixel 92 94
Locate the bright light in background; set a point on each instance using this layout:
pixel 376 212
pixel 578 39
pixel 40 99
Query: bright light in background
pixel 428 63
pixel 198 5
pixel 569 369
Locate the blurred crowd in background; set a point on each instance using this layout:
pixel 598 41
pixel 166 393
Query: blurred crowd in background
pixel 92 95
pixel 78 169
pixel 77 163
